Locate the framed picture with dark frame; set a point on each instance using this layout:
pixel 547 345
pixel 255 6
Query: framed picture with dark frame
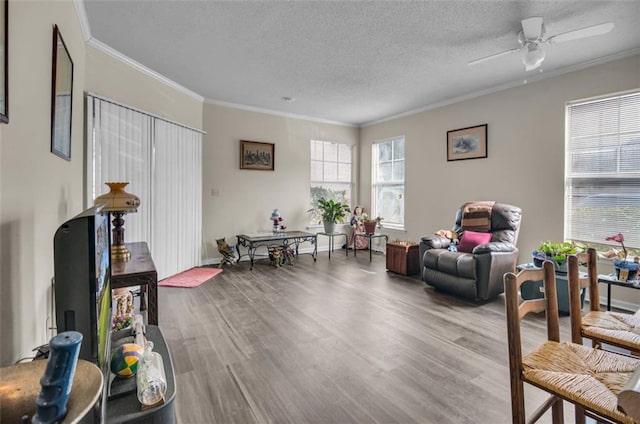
pixel 467 143
pixel 257 155
pixel 4 61
pixel 61 97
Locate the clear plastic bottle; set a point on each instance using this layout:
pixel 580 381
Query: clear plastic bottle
pixel 151 379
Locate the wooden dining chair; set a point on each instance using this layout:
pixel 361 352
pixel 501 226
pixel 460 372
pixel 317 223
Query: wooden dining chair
pixel 614 328
pixel 589 378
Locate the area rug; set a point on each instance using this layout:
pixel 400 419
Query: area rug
pixel 191 278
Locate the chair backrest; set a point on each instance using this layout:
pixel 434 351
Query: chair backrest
pixel 577 283
pixel 517 310
pixel 505 222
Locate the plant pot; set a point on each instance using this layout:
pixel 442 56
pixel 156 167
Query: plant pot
pixel 329 227
pixel 369 227
pixel 540 257
pixel 625 270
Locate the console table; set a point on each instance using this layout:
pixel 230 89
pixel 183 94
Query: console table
pixel 139 271
pixel 284 238
pixel 126 408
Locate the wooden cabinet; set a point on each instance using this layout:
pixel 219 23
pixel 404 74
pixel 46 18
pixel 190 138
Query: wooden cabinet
pixel 403 258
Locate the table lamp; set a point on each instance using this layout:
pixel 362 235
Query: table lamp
pixel 118 202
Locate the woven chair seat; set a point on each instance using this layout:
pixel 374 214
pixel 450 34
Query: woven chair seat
pixel 589 377
pixel 613 327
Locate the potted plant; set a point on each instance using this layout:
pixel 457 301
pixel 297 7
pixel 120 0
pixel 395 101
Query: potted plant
pixel 555 252
pixel 369 224
pixel 331 212
pixel 625 270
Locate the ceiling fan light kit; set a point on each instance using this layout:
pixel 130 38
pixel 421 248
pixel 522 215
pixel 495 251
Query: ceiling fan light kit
pixel 533 34
pixel 533 57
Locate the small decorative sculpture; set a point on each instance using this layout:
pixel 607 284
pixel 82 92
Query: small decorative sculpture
pixel 277 219
pixel 228 253
pixel 275 256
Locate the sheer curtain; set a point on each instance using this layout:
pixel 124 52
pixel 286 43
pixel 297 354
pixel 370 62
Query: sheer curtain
pixel 162 161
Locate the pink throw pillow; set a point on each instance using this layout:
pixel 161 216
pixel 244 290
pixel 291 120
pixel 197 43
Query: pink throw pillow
pixel 471 239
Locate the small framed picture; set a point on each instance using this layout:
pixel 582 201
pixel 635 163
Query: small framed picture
pixel 257 155
pixel 467 143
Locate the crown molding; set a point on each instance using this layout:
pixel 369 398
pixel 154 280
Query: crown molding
pixel 506 86
pixel 81 13
pixel 278 113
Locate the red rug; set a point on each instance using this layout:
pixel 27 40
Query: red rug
pixel 191 278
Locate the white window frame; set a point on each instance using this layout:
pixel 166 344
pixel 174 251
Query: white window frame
pixel 375 208
pixel 350 185
pixel 611 187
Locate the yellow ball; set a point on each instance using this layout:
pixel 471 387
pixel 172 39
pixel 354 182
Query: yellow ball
pixel 125 359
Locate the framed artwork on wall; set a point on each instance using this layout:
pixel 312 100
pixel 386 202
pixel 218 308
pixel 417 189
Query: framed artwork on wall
pixel 467 143
pixel 4 61
pixel 257 155
pixel 61 97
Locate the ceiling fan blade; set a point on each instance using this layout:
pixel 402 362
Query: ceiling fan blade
pixel 581 33
pixel 532 28
pixel 493 56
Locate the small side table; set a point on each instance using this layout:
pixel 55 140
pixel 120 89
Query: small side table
pixel 368 236
pixel 331 242
pixel 139 271
pixel 403 257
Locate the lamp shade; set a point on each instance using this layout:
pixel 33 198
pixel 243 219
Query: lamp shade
pixel 117 199
pixel 533 56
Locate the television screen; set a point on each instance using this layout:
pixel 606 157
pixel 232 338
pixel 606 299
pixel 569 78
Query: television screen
pixel 82 266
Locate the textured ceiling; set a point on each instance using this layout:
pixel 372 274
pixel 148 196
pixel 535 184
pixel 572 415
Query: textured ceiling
pixel 350 61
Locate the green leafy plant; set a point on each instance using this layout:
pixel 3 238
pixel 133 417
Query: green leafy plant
pixel 557 252
pixel 331 210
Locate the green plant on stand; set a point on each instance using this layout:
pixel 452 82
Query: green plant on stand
pixel 555 252
pixel 331 212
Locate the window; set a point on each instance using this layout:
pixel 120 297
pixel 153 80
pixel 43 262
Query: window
pixel 603 169
pixel 331 172
pixel 388 182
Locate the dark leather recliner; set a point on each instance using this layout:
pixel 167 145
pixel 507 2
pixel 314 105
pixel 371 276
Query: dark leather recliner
pixel 478 275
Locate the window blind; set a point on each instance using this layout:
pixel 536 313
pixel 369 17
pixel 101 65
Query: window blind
pixel 162 161
pixel 603 169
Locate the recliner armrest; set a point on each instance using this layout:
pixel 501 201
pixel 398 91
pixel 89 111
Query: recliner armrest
pixel 494 246
pixel 435 242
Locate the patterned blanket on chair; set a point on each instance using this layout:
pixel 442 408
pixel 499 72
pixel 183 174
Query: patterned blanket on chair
pixel 476 216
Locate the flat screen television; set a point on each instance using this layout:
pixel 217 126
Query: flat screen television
pixel 82 267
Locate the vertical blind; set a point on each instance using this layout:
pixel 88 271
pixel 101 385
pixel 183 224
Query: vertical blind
pixel 162 161
pixel 603 169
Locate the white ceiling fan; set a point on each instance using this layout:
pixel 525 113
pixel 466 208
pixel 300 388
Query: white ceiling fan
pixel 533 35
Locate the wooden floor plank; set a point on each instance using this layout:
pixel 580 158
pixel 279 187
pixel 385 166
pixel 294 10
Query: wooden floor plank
pixel 340 341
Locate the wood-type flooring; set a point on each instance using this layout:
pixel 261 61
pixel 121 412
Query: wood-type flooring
pixel 339 341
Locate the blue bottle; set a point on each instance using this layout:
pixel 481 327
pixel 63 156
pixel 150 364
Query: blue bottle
pixel 58 378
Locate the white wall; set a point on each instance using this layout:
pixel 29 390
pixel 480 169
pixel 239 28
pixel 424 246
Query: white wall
pixel 525 164
pixel 38 189
pixel 242 200
pixel 107 76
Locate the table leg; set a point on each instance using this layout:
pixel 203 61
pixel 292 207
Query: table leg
pixel 608 297
pixel 370 248
pixel 152 311
pixel 330 245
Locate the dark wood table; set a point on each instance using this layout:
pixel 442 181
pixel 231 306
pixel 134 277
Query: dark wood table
pixel 284 238
pixel 139 271
pixel 610 280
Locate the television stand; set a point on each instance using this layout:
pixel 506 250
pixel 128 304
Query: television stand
pixel 126 408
